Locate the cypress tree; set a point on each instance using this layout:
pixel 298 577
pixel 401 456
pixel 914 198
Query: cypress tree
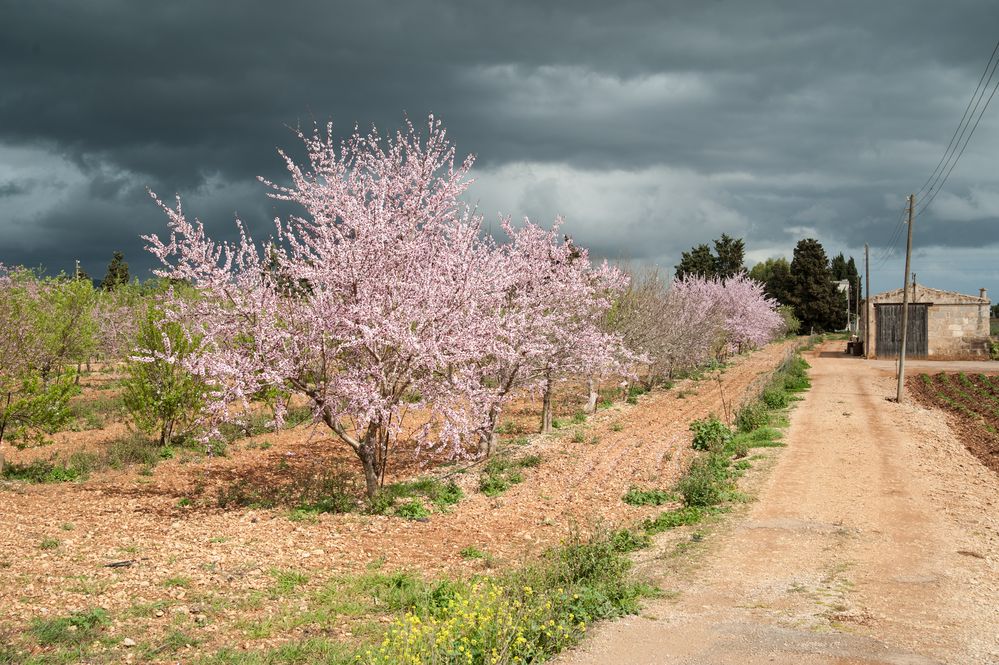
pixel 117 273
pixel 816 300
pixel 730 253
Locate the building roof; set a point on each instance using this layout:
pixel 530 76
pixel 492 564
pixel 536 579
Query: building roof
pixel 925 294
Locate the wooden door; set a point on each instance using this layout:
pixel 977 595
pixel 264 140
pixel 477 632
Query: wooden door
pixel 889 326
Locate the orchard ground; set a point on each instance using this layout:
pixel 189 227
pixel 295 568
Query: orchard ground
pixel 210 577
pixel 874 540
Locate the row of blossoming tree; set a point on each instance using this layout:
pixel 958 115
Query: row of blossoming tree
pixel 384 304
pixel 684 323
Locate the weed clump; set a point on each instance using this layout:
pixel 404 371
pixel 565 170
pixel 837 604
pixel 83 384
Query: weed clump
pixel 707 481
pixel 524 616
pixel 648 497
pixel 501 473
pixel 76 629
pixel 710 434
pixel 412 510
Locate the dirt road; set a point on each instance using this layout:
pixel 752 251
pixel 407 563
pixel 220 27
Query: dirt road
pixel 875 539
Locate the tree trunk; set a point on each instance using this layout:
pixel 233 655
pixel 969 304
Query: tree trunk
pixel 366 453
pixel 591 403
pixel 166 433
pixel 487 435
pixel 546 408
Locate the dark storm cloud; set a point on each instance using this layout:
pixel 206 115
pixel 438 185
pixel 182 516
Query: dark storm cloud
pixel 769 119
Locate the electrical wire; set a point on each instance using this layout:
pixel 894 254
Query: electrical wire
pixel 951 144
pixel 952 153
pixel 928 201
pixel 889 249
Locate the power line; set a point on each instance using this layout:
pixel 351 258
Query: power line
pixel 889 249
pixel 967 108
pixel 954 163
pixel 952 154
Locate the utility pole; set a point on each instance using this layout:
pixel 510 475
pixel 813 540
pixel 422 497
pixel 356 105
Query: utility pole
pixel 900 395
pixel 856 308
pixel 848 305
pixel 867 301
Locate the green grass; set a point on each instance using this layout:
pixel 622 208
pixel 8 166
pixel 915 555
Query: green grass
pixel 412 510
pixel 470 553
pixel 764 437
pixel 75 629
pixel 286 581
pixel 177 582
pixel 672 519
pixel 648 497
pixel 529 461
pixel 533 612
pixel 442 495
pixel 501 473
pixel 128 450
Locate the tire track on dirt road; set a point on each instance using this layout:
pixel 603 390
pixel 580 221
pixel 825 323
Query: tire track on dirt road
pixel 852 554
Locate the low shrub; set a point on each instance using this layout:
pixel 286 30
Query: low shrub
pixel 706 482
pixel 752 416
pixel 135 448
pixel 775 397
pixel 710 434
pixel 628 540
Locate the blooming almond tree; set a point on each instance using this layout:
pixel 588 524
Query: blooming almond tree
pixel 549 320
pixel 374 303
pixel 694 319
pixel 751 318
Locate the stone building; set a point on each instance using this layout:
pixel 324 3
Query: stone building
pixel 942 324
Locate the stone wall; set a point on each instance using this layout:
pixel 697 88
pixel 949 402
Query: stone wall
pixel 957 331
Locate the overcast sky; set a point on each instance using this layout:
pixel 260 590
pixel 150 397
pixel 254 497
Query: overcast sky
pixel 651 126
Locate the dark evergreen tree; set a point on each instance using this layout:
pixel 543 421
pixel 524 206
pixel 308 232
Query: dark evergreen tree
pixel 729 256
pixel 117 273
pixel 853 275
pixel 726 261
pixel 816 300
pixel 775 275
pixel 843 268
pixel 698 261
